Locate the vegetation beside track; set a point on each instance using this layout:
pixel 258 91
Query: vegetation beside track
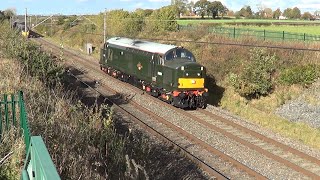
pixel 222 60
pixel 74 134
pixel 11 141
pixel 84 138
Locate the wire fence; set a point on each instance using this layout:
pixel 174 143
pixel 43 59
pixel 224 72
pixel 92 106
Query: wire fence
pixel 234 32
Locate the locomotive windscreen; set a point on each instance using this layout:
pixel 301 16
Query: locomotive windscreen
pixel 180 53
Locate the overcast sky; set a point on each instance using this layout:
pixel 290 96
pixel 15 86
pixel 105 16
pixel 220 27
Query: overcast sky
pixel 96 6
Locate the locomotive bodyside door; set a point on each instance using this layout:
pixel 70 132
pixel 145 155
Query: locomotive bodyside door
pixel 159 71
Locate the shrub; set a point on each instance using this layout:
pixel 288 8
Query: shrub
pixel 158 21
pixel 302 74
pixel 36 62
pixel 255 79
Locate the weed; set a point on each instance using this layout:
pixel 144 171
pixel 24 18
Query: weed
pixel 12 152
pixel 255 80
pixel 302 74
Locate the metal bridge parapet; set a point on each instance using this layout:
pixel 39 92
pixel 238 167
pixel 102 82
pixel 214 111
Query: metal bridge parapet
pixel 38 163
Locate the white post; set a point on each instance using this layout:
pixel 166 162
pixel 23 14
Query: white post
pixel 25 21
pixel 104 25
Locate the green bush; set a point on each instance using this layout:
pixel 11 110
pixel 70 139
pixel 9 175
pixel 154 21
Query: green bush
pixel 36 63
pixel 255 79
pixel 158 21
pixel 303 74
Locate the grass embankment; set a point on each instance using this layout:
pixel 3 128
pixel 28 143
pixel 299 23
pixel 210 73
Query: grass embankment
pixel 82 142
pixel 75 135
pixel 221 60
pixel 11 145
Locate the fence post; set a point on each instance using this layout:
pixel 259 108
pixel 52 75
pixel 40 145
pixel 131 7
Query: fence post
pixel 5 97
pixel 234 32
pixel 0 119
pixel 282 35
pixel 13 109
pixel 21 111
pixel 264 34
pixel 304 36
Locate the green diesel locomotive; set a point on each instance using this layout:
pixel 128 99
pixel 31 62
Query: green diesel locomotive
pixel 164 71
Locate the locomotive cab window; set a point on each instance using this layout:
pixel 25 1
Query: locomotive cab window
pixel 160 60
pixel 110 54
pixel 180 53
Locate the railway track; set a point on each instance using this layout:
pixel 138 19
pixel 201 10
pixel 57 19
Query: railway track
pixel 287 156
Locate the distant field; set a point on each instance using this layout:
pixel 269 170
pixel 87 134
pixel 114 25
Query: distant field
pixel 314 30
pixel 226 21
pixel 308 27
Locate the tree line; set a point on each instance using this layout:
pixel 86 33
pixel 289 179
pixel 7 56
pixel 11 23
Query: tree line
pixel 7 14
pixel 121 22
pixel 216 9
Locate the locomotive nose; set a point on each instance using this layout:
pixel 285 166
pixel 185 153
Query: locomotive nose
pixel 192 76
pixel 192 70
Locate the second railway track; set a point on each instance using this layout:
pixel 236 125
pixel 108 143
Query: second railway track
pixel 291 162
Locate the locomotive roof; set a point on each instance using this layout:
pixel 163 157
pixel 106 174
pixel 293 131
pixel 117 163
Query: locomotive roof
pixel 141 45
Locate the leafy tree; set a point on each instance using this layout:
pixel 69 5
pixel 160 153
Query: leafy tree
pixel 9 13
pixel 144 12
pixel 287 12
pixel 295 13
pixel 180 5
pixel 230 13
pixel 224 11
pixel 134 23
pixel 190 7
pixel 2 16
pixel 277 13
pixel 116 22
pixel 160 20
pixel 306 16
pixel 268 13
pixel 216 8
pixel 245 12
pixel 61 20
pixel 201 7
pixel 255 79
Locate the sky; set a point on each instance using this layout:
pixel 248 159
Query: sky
pixel 48 7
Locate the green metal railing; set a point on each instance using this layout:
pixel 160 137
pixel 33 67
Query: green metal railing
pixel 38 163
pixel 233 32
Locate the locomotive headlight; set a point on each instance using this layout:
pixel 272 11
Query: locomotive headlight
pixel 182 68
pixel 198 74
pixel 201 68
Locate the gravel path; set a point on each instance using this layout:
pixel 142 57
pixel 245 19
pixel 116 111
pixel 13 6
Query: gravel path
pixel 306 108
